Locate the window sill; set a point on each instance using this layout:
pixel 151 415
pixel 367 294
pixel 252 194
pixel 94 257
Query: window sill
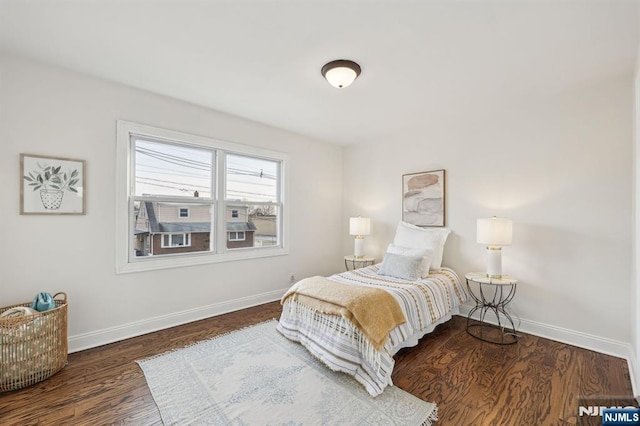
pixel 157 263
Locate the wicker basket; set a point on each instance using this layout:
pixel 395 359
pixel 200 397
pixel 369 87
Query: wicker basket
pixel 32 347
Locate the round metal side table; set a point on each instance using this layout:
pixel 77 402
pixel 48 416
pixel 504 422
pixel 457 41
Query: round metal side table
pixel 494 294
pixel 358 262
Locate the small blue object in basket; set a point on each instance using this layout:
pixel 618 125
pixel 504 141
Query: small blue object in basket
pixel 43 302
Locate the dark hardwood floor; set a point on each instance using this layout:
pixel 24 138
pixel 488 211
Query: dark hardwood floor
pixel 534 382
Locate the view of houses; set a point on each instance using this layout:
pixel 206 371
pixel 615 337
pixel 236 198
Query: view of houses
pixel 171 228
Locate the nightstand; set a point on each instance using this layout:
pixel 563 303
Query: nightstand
pixel 358 262
pixel 494 294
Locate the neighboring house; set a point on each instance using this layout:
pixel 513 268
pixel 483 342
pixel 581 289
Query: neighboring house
pixel 240 229
pixel 169 228
pixel 266 229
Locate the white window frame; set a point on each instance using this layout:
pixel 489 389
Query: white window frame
pixel 235 213
pixel 126 261
pixel 186 237
pixel 188 211
pixel 237 237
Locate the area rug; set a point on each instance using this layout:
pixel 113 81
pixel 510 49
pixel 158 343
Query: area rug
pixel 255 376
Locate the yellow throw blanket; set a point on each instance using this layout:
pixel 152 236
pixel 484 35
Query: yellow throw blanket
pixel 373 311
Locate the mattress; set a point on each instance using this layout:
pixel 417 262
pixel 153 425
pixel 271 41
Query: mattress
pixel 340 345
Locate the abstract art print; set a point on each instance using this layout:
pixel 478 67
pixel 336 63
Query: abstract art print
pixel 50 185
pixel 423 198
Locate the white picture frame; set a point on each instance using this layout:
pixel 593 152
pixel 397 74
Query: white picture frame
pixel 423 198
pixel 51 185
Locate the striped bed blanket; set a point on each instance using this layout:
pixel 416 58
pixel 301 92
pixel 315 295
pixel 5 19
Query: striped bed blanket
pixel 340 345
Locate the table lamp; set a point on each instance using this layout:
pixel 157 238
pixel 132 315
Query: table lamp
pixel 359 226
pixel 494 232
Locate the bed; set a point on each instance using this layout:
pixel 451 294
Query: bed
pixel 427 301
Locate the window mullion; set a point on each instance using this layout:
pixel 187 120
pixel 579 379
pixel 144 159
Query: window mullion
pixel 131 174
pixel 221 217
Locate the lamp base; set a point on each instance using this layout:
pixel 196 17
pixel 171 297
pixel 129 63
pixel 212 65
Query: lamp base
pixel 494 262
pixel 358 247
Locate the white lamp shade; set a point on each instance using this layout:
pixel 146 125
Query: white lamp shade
pixel 494 231
pixel 340 77
pixel 359 226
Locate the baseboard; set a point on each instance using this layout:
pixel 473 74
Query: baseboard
pixel 93 339
pixel 576 338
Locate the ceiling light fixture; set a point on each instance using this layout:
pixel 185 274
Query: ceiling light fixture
pixel 341 73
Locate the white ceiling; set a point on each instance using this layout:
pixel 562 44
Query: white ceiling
pixel 261 59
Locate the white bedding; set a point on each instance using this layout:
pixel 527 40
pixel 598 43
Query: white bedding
pixel 338 344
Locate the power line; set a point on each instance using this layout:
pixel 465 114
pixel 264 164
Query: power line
pixel 187 156
pixel 198 165
pixel 183 189
pixel 172 159
pixel 170 187
pixel 170 181
pixel 259 174
pixel 174 172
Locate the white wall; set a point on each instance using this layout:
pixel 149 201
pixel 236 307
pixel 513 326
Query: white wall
pixel 51 111
pixel 560 167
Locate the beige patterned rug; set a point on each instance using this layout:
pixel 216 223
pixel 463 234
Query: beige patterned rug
pixel 255 376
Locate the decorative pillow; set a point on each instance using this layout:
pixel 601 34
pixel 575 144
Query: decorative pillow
pixel 432 239
pixel 426 256
pixel 404 267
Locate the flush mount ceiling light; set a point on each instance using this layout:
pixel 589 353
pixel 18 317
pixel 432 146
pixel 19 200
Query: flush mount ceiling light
pixel 341 73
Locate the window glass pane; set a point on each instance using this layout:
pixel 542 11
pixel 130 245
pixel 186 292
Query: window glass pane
pixel 171 170
pixel 256 226
pixel 251 179
pixel 236 236
pixel 160 230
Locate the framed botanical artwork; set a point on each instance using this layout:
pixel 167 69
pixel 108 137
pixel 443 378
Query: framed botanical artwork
pixel 51 185
pixel 423 198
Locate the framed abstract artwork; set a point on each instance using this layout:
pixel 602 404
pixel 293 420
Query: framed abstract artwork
pixel 423 198
pixel 51 185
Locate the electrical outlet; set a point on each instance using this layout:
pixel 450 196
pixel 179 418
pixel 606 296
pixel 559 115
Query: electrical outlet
pixel 292 278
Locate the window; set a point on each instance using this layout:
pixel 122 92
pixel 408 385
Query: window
pixel 176 240
pixel 223 189
pixel 253 184
pixel 237 236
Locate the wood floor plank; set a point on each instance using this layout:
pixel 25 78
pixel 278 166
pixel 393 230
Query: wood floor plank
pixel 534 382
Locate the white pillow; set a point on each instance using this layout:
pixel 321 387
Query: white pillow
pixel 404 267
pixel 432 239
pixel 426 256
